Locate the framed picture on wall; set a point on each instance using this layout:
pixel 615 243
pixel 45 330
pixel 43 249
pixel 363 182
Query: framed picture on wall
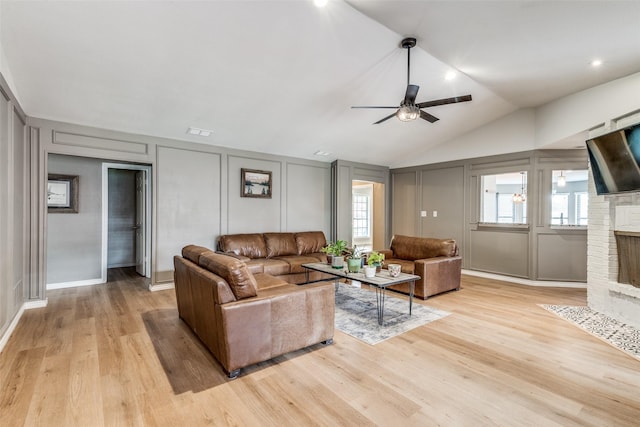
pixel 255 183
pixel 62 193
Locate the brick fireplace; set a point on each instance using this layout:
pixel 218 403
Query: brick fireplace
pixel 606 294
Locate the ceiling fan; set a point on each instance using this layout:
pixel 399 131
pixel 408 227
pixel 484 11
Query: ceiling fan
pixel 408 109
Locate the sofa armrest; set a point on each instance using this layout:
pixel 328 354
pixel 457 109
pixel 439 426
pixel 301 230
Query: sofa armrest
pixel 277 321
pixel 439 274
pixel 388 253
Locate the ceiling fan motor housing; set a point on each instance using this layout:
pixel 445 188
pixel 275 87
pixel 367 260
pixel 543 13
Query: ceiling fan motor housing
pixel 408 42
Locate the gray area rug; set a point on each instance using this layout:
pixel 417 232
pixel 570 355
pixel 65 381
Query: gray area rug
pixel 617 334
pixel 356 314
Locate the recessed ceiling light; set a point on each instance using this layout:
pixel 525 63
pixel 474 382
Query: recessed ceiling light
pixel 199 132
pixel 450 75
pixel 596 63
pixel 322 153
pixel 320 3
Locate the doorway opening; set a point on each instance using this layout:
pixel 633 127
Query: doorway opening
pixel 126 218
pixel 367 212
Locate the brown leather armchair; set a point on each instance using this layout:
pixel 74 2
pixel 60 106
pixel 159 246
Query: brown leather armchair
pixel 245 318
pixel 436 261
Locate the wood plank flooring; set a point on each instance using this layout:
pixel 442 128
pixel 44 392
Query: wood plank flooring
pixel 117 354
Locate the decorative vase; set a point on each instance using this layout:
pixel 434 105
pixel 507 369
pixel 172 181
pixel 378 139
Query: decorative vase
pixel 369 271
pixel 354 265
pixel 378 266
pixel 330 259
pixel 337 262
pixel 394 270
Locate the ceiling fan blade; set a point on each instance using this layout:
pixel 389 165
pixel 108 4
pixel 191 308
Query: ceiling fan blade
pixel 428 117
pixel 410 95
pixel 374 106
pixel 444 101
pixel 386 118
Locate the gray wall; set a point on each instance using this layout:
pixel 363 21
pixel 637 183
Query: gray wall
pixel 195 193
pixel 74 240
pixel 13 224
pixel 537 251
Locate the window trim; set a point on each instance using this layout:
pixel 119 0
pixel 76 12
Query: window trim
pixel 501 225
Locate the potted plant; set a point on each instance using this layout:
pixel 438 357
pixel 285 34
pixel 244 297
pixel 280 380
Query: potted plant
pixel 337 251
pixel 328 250
pixel 375 259
pixel 354 259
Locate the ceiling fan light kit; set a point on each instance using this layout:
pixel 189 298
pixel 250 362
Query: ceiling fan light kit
pixel 408 110
pixel 406 113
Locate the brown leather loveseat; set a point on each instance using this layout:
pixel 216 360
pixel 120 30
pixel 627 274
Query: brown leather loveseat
pixel 436 261
pixel 278 254
pixel 245 318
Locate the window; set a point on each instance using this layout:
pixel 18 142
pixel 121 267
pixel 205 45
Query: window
pixel 569 197
pixel 504 198
pixel 361 214
pixel 559 209
pixel 582 207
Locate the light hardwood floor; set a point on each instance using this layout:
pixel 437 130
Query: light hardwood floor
pixel 117 354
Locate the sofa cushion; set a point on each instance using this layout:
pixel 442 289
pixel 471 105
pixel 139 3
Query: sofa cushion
pixel 318 256
pixel 249 245
pixel 275 267
pixel 280 244
pixel 266 281
pixel 295 262
pixel 408 267
pixel 235 272
pixel 309 242
pixel 412 248
pixel 193 252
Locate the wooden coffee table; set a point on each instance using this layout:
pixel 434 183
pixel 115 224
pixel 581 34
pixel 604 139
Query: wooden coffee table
pixel 380 282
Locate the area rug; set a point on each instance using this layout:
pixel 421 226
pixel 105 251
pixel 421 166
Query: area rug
pixel 617 334
pixel 356 314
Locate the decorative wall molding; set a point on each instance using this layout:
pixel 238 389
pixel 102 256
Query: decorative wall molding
pixel 89 141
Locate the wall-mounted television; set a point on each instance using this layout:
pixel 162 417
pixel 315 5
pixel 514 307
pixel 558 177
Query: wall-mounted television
pixel 615 160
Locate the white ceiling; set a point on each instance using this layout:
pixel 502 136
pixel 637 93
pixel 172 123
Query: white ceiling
pixel 280 76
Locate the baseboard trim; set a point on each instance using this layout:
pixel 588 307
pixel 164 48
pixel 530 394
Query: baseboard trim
pixel 14 322
pixel 40 303
pixel 63 285
pixel 161 287
pixel 528 282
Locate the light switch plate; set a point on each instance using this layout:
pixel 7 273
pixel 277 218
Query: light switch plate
pixel 435 214
pixel 423 214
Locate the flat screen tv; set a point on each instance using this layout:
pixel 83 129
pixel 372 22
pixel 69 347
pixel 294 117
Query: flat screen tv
pixel 615 160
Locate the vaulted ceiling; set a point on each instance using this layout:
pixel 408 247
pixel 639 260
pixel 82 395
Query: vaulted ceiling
pixel 280 76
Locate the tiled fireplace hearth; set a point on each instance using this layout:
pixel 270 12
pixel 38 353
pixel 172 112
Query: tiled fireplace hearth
pixel 613 284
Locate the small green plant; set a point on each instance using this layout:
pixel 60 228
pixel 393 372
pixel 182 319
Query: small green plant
pixel 338 248
pixel 375 258
pixel 354 253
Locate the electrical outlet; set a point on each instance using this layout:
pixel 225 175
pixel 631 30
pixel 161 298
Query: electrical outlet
pixel 423 214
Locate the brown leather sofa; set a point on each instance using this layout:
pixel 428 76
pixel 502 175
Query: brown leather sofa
pixel 245 318
pixel 279 254
pixel 436 261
